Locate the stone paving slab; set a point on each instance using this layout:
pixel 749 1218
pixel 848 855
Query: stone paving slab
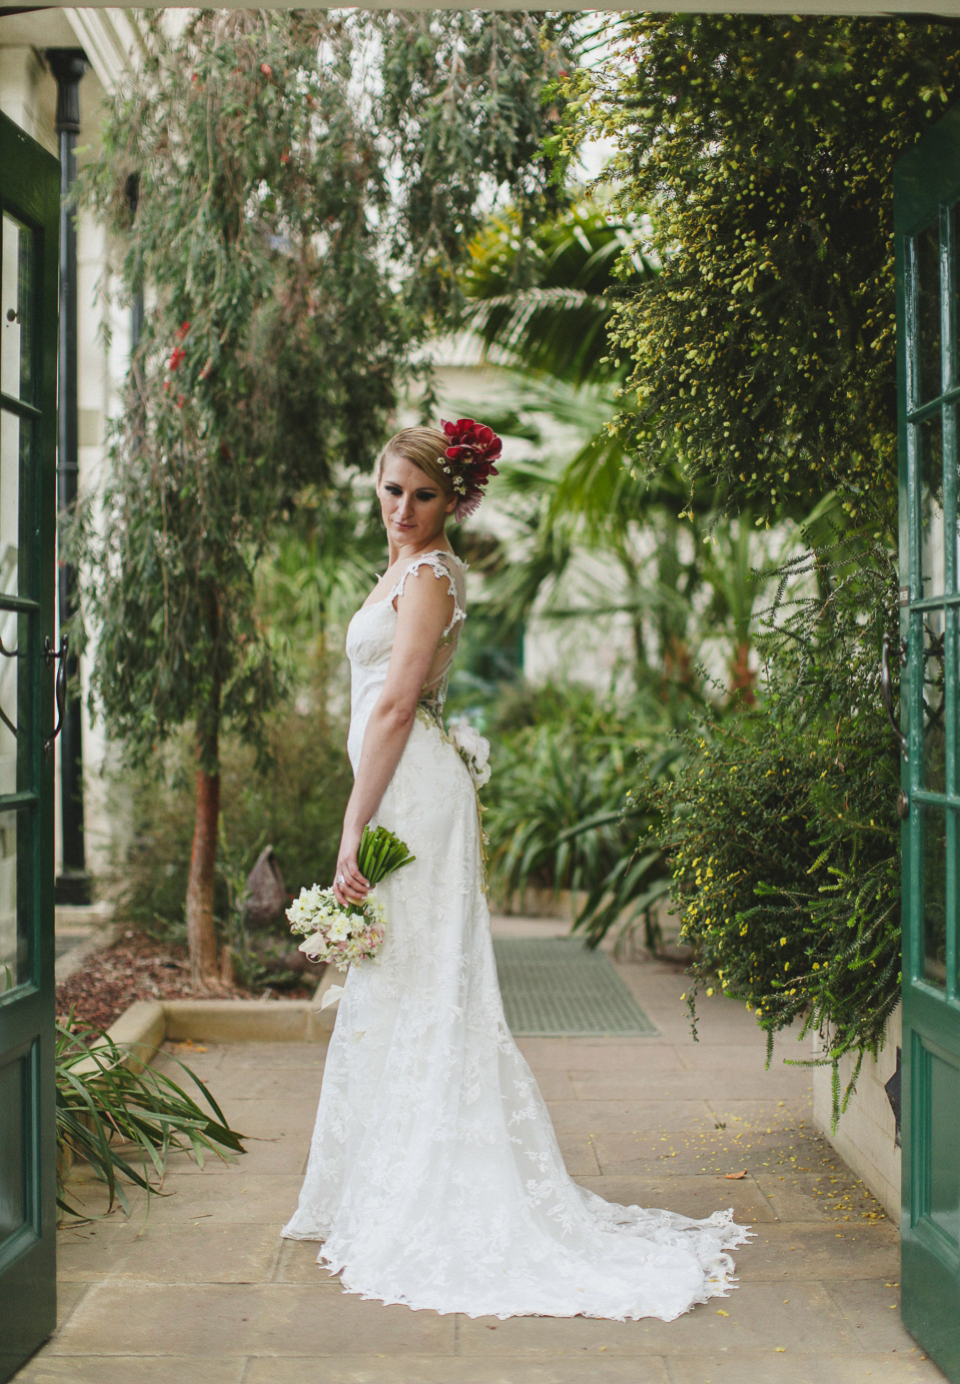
pixel 259 1056
pixel 143 1369
pixel 556 1086
pixel 298 1264
pixel 203 1289
pixel 800 1251
pixel 191 1252
pixel 628 1117
pixel 212 1320
pixel 718 1146
pixel 250 1199
pixel 579 1154
pixel 766 1368
pixel 289 1087
pixel 381 1369
pixel 767 1316
pixel 871 1309
pixel 697 1197
pixel 726 1085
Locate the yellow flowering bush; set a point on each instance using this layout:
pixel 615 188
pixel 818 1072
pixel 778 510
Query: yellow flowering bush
pixel 787 873
pixel 754 155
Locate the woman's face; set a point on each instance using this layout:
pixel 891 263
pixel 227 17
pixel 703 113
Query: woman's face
pixel 413 506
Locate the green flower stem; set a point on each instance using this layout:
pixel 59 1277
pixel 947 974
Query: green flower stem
pixel 381 853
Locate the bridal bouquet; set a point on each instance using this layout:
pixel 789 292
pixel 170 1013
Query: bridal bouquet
pixel 355 933
pixel 474 749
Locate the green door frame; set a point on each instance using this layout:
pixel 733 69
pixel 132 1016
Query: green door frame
pixel 926 223
pixel 29 242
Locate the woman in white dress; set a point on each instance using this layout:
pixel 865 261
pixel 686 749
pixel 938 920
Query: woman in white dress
pixel 434 1176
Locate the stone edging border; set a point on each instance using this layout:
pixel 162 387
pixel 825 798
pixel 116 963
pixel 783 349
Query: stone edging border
pixel 146 1025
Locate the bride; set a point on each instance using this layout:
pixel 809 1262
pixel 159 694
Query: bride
pixel 434 1176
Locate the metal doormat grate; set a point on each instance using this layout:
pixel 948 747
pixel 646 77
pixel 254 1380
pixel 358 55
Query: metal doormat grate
pixel 557 987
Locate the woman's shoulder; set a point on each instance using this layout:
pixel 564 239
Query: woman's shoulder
pixel 445 565
pixel 444 556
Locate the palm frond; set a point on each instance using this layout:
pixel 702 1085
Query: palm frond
pixel 543 302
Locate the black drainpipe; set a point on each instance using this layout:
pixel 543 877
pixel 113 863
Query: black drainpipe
pixel 68 66
pixel 136 310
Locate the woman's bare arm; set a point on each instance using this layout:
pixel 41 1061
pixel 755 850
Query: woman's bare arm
pixel 423 612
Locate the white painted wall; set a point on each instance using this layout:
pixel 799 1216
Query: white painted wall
pixel 25 92
pixel 865 1133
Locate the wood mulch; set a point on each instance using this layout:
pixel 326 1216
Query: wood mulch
pixel 138 967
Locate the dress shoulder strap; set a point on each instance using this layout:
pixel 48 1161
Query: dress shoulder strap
pixel 442 564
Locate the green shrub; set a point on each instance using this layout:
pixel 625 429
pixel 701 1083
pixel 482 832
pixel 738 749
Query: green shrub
pixel 781 824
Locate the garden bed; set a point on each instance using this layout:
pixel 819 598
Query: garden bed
pixel 138 967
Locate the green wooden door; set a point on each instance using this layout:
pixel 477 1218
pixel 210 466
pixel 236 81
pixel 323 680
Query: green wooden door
pixel 926 202
pixel 29 235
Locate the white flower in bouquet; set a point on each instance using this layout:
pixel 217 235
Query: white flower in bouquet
pixel 474 749
pixel 297 912
pixel 339 929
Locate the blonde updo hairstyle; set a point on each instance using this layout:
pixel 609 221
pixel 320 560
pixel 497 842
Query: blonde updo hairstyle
pixel 426 448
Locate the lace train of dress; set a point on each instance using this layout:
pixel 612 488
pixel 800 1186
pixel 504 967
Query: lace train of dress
pixel 434 1176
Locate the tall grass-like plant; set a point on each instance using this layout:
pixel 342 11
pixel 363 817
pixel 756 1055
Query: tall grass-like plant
pixel 551 785
pixel 125 1123
pixel 557 815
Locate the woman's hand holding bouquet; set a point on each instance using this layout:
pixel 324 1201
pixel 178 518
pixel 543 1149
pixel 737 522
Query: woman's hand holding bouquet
pixel 355 932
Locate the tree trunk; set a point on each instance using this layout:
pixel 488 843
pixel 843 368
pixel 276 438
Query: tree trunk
pixel 201 937
pixel 742 676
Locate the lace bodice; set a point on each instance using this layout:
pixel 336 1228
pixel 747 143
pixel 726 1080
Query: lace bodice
pixel 370 637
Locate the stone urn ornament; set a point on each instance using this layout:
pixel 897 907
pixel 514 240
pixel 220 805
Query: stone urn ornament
pixel 265 896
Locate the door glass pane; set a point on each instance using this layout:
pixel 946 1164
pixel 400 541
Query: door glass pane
pixel 948 438
pixel 929 442
pixel 934 896
pixel 14 934
pixel 943 1103
pixel 950 366
pixel 927 261
pixel 13 1131
pixel 16 285
pixel 14 441
pixel 14 687
pixel 934 729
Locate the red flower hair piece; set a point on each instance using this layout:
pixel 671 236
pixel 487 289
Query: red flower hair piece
pixel 472 450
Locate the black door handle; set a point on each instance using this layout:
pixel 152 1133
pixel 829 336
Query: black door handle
pixel 58 656
pixel 886 690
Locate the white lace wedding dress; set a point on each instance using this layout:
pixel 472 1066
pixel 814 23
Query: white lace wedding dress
pixel 434 1176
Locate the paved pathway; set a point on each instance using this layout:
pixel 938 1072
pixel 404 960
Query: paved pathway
pixel 205 1292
